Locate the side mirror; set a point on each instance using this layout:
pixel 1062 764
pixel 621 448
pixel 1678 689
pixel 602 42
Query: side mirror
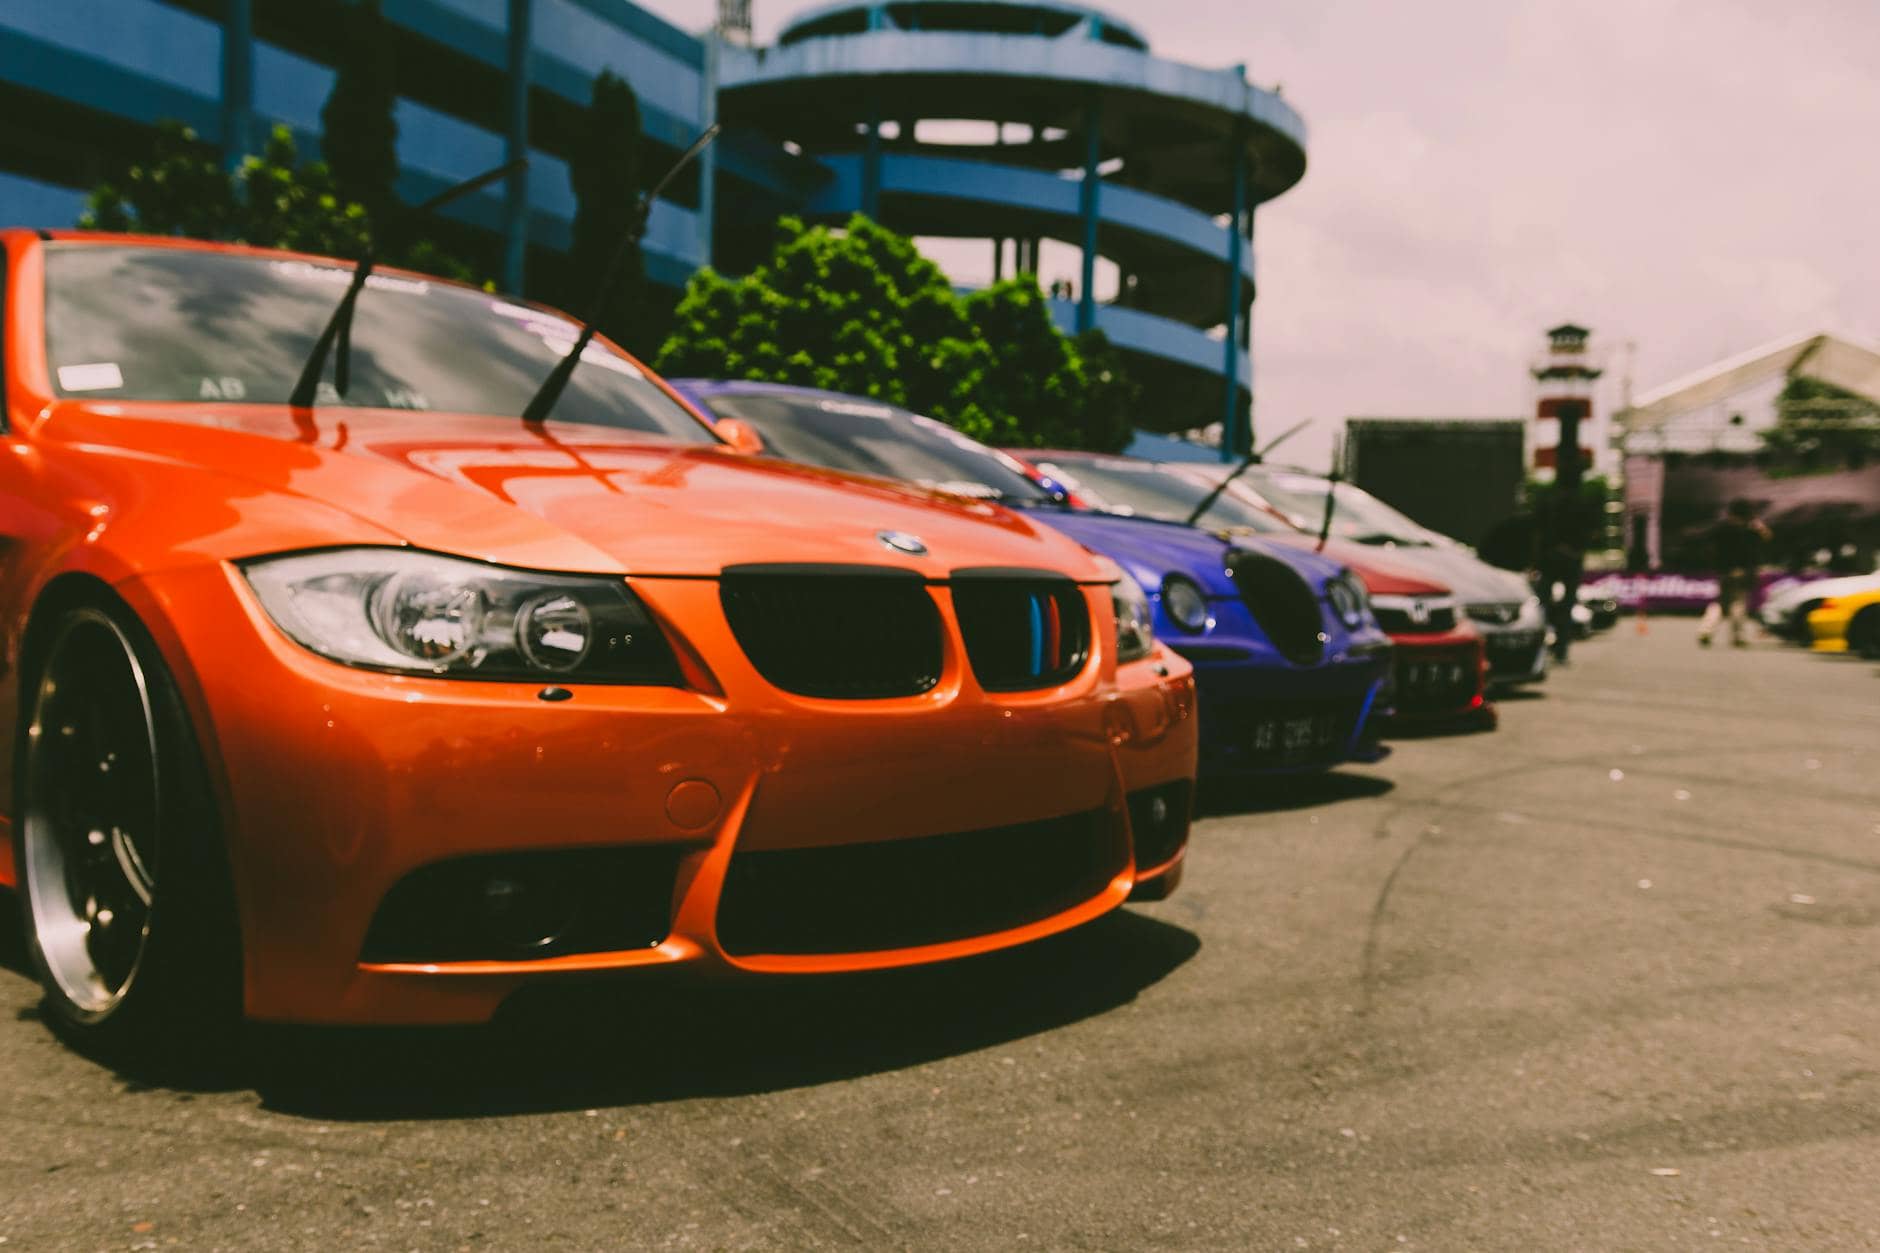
pixel 742 437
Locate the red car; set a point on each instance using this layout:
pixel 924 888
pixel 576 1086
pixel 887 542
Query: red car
pixel 1440 667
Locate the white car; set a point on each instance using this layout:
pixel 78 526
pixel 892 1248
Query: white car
pixel 1785 613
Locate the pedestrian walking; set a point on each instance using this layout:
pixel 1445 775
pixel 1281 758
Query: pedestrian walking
pixel 1737 543
pixel 1559 529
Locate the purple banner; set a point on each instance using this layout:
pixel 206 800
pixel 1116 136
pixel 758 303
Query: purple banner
pixel 1666 591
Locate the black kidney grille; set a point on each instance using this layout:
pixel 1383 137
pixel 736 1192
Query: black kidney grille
pixel 1022 633
pixel 1283 603
pixel 853 898
pixel 1437 620
pixel 869 634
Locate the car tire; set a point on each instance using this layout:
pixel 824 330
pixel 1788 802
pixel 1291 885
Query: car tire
pixel 1863 633
pixel 125 894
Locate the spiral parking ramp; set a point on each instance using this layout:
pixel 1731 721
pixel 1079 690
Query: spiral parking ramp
pixel 1084 137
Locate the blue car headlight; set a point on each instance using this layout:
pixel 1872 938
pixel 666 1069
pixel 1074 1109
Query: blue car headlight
pixel 1185 603
pixel 1348 600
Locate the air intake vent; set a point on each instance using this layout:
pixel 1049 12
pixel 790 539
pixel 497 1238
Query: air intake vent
pixel 837 632
pixel 1283 603
pixel 1024 629
pixel 852 898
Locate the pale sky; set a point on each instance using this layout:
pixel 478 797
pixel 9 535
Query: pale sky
pixel 1695 177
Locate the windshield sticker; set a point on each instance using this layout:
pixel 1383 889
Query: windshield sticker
pixel 558 336
pixel 340 276
pixel 854 409
pixel 221 388
pixel 98 376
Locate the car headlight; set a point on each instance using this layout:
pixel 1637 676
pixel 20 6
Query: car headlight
pixel 420 613
pixel 1135 619
pixel 1185 603
pixel 1349 600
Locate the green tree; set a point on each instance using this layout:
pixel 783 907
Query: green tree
pixel 856 310
pixel 274 200
pixel 860 310
pixel 359 134
pixel 604 169
pixel 1822 428
pixel 1045 389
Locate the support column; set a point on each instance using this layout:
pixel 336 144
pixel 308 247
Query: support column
pixel 871 160
pixel 238 82
pixel 708 159
pixel 998 242
pixel 515 147
pixel 1089 202
pixel 1233 446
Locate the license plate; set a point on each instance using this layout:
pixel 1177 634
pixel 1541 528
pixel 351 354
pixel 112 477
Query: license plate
pixel 1425 675
pixel 1290 739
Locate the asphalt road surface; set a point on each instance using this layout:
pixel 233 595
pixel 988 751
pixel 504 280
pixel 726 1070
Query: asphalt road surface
pixel 1608 978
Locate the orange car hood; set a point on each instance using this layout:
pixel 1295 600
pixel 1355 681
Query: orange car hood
pixel 569 497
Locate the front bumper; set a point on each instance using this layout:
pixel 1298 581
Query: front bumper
pixel 1261 715
pixel 1827 629
pixel 1438 678
pixel 337 784
pixel 1517 652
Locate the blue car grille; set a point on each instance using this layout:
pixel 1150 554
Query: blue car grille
pixel 1284 605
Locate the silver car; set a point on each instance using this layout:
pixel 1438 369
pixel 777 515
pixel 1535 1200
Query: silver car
pixel 1498 601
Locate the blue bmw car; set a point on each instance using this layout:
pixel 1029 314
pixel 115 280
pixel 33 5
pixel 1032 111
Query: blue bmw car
pixel 1289 662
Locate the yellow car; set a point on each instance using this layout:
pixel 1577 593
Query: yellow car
pixel 1848 624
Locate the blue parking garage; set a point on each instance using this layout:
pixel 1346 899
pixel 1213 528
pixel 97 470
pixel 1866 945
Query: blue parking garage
pixel 1026 126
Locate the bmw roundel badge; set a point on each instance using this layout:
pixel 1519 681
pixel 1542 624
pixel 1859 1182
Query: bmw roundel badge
pixel 902 542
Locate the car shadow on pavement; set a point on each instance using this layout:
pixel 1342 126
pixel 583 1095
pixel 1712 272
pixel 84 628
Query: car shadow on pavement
pixel 632 1041
pixel 1277 793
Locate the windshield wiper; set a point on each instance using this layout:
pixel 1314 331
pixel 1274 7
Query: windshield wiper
pixel 338 331
pixel 1253 459
pixel 543 402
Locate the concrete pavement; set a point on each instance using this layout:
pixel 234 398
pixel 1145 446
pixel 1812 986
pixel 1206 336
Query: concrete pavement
pixel 1608 978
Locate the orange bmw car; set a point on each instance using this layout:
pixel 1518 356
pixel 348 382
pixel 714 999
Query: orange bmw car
pixel 335 691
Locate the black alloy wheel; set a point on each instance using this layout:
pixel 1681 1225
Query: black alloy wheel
pixel 124 890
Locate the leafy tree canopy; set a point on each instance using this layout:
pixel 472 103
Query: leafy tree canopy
pixel 273 200
pixel 858 309
pixel 1821 428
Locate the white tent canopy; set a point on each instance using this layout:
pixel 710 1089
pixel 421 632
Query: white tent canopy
pixel 1822 355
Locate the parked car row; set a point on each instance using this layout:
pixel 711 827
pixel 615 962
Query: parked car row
pixel 375 646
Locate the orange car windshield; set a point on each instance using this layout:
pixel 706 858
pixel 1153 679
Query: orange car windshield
pixel 143 322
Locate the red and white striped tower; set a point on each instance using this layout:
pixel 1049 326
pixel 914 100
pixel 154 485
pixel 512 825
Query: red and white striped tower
pixel 1566 376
